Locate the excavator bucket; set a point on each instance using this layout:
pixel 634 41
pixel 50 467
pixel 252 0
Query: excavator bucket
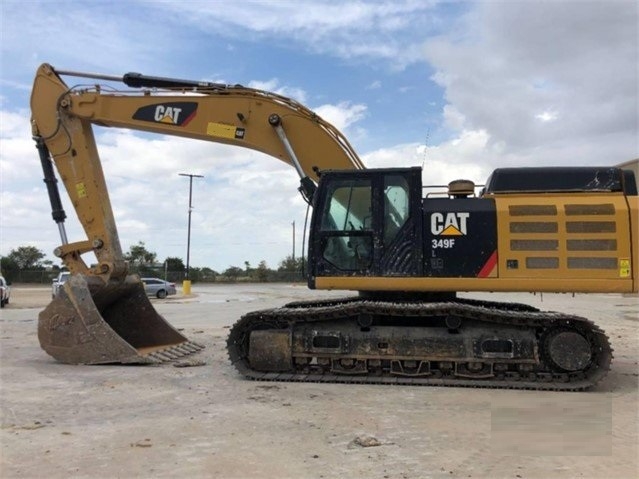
pixel 93 323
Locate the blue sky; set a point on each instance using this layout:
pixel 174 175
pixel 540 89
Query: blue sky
pixel 458 87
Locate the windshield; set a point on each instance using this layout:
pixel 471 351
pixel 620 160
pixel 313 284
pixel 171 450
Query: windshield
pixel 348 206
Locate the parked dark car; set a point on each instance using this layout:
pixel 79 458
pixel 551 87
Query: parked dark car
pixel 158 287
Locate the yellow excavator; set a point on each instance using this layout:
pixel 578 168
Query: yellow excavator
pixel 406 249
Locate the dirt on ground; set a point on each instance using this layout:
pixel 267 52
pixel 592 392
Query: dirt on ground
pixel 61 421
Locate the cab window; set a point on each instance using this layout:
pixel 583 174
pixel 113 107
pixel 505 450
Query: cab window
pixel 347 224
pixel 348 207
pixel 396 206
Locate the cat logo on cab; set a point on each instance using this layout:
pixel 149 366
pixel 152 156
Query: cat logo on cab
pixel 449 224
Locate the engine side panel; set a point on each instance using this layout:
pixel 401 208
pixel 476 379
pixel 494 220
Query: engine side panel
pixel 564 237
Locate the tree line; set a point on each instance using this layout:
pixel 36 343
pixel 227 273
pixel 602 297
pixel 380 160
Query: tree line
pixel 28 264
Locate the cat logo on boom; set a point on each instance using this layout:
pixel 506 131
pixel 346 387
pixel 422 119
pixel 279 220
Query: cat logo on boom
pixel 449 224
pixel 178 113
pixel 167 114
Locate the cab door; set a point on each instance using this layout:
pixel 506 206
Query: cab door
pixel 400 238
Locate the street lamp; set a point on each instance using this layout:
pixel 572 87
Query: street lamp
pixel 293 256
pixel 186 285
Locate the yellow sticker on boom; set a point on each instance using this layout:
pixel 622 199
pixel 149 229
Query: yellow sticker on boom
pixel 220 130
pixel 81 190
pixel 624 268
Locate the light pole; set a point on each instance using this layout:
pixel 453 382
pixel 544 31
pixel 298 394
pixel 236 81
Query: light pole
pixel 186 285
pixel 293 242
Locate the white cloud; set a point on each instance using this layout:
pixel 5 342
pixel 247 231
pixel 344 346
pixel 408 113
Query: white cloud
pixel 273 85
pixel 16 144
pixel 547 116
pixel 342 115
pixel 351 30
pixel 571 65
pixel 37 31
pixel 453 118
pixel 463 157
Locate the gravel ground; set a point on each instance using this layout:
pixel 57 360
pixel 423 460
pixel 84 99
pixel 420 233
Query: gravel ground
pixel 61 421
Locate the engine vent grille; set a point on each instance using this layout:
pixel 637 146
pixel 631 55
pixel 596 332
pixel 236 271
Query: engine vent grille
pixel 563 236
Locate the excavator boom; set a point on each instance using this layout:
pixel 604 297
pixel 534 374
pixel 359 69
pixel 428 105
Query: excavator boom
pixel 102 314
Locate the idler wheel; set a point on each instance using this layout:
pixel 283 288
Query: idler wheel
pixel 569 350
pixel 453 322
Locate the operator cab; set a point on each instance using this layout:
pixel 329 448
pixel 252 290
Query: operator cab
pixel 376 223
pixel 367 223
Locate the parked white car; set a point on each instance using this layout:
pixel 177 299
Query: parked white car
pixel 58 282
pixel 5 292
pixel 158 287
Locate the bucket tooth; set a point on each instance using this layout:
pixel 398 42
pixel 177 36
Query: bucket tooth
pixel 191 347
pixel 90 322
pixel 172 353
pixel 183 350
pixel 160 357
pixel 195 347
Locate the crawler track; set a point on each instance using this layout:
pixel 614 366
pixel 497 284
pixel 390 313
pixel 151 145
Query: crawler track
pixel 541 372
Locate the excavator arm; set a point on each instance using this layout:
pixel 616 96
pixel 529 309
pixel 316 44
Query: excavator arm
pixel 62 125
pixel 62 120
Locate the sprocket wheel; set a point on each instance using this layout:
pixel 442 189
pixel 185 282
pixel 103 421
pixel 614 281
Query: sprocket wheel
pixel 567 349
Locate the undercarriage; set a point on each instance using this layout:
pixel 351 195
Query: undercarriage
pixel 443 343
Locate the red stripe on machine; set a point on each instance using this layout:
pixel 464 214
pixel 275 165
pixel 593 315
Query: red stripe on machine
pixel 489 266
